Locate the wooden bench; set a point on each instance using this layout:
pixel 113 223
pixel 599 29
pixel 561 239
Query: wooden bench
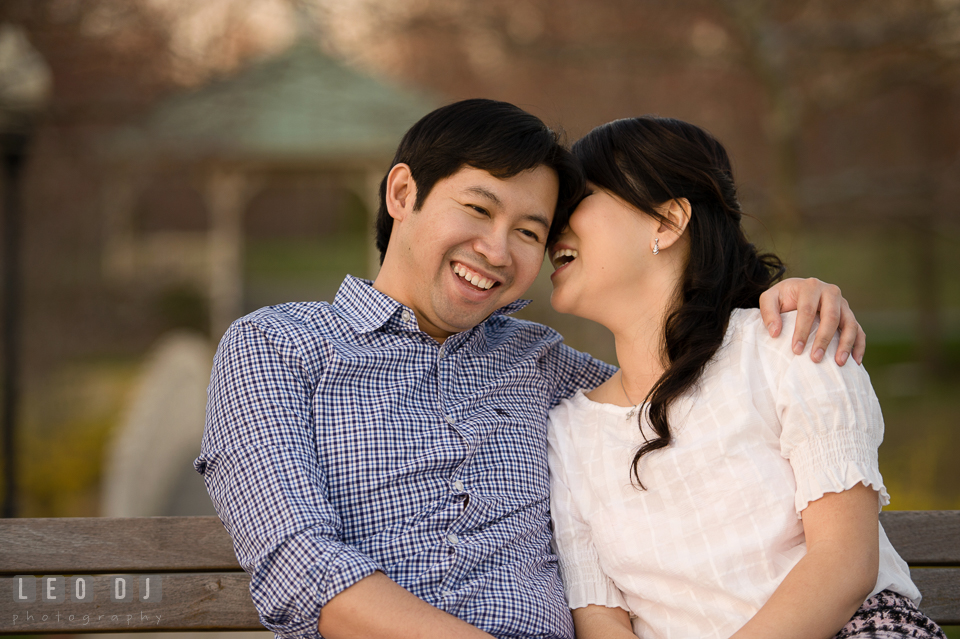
pixel 203 587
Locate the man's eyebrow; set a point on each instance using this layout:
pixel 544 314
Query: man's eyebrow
pixel 485 193
pixel 539 219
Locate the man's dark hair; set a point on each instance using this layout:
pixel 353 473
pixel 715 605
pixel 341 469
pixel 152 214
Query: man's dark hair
pixel 493 136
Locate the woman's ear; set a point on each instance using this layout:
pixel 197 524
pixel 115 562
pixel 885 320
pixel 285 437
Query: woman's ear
pixel 401 192
pixel 676 216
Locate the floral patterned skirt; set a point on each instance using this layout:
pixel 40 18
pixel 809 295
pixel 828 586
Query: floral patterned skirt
pixel 888 615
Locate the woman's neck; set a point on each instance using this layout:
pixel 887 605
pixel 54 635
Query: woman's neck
pixel 640 353
pixel 635 310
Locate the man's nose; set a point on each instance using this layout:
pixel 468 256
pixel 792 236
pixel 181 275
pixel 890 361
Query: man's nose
pixel 493 246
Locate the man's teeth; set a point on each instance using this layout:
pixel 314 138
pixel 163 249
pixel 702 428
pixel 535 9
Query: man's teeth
pixel 477 280
pixel 558 257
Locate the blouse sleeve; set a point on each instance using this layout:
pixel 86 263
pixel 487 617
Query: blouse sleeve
pixel 584 580
pixel 831 424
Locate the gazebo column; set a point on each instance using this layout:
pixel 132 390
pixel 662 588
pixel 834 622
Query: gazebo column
pixel 226 194
pixel 120 251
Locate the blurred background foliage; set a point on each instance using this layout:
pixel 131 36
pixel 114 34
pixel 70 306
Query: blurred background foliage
pixel 841 119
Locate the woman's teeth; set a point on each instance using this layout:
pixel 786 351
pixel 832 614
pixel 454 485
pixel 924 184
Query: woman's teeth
pixel 474 278
pixel 563 256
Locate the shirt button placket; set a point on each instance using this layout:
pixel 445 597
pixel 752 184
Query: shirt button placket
pixel 457 485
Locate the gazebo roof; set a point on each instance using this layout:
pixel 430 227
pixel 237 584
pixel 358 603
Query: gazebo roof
pixel 301 106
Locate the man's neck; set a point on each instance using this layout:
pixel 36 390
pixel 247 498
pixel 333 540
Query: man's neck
pixel 384 285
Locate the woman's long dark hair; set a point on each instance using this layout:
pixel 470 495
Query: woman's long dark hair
pixel 648 161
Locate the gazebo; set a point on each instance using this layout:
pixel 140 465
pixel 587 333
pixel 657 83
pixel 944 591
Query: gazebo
pixel 301 112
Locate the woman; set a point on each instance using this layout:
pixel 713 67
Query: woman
pixel 717 485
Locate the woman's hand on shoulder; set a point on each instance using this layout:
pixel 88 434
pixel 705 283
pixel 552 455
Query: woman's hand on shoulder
pixel 811 297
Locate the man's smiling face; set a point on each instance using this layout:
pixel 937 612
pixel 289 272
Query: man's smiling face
pixel 476 244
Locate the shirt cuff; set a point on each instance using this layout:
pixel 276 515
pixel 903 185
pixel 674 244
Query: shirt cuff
pixel 586 584
pixel 321 583
pixel 824 466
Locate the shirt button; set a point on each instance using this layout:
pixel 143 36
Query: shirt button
pixel 450 420
pixel 453 539
pixel 405 316
pixel 458 486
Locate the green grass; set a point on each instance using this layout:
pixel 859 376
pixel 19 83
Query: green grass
pixel 64 432
pixel 306 269
pixel 877 269
pixel 308 259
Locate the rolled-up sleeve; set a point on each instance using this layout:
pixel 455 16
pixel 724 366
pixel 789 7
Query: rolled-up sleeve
pixel 259 463
pixel 572 370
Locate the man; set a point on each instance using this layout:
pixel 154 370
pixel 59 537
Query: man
pixel 380 462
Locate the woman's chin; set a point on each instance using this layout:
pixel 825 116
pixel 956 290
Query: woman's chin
pixel 561 304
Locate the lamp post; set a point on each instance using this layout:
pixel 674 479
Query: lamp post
pixel 13 144
pixel 24 86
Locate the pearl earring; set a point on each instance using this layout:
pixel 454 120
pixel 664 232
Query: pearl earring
pixel 656 245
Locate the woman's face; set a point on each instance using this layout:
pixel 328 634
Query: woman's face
pixel 602 257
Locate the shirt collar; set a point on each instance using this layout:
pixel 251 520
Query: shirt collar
pixel 366 309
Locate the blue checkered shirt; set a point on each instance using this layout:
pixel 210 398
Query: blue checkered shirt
pixel 341 440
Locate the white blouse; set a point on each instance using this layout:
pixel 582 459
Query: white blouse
pixel 718 528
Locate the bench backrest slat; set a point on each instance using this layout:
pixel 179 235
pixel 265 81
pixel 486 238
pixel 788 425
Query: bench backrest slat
pixel 924 537
pixel 183 544
pixel 89 545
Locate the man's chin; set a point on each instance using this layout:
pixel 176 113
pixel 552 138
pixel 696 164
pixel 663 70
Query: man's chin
pixel 458 314
pixel 463 320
